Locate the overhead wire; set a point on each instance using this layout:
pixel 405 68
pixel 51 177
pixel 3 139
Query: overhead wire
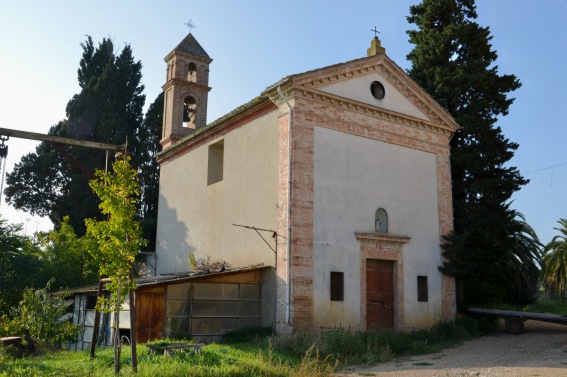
pixel 547 168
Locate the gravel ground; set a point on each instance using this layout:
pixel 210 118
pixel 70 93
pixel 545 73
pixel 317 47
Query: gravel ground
pixel 540 351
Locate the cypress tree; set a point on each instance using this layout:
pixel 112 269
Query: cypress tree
pixel 454 61
pixel 146 147
pixel 108 109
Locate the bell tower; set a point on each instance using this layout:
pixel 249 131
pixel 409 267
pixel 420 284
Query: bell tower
pixel 185 91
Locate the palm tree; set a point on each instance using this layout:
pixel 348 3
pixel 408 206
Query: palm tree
pixel 528 255
pixel 555 263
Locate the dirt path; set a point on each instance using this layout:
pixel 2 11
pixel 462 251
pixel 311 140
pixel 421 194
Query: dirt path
pixel 540 351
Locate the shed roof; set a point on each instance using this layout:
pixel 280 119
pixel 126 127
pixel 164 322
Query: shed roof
pixel 178 277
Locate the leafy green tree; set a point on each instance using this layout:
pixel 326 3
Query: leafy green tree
pixel 115 242
pixel 65 261
pixel 19 265
pixel 108 109
pixel 36 318
pixel 30 262
pixel 555 263
pixel 453 60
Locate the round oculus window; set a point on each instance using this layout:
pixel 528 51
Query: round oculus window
pixel 377 90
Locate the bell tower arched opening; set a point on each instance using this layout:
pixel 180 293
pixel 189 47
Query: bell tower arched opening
pixel 189 112
pixel 192 72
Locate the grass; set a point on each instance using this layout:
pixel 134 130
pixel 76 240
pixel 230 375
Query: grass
pixel 215 360
pixel 378 346
pixel 257 352
pixel 542 304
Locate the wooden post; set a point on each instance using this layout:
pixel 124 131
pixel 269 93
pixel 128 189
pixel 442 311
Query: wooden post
pixel 116 337
pixel 94 340
pixel 133 330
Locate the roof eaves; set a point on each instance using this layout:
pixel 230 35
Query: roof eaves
pixel 168 278
pixel 283 81
pixel 290 78
pixel 248 105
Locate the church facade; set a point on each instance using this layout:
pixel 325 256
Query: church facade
pixel 336 180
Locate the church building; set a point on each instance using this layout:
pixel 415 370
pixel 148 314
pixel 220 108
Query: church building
pixel 329 194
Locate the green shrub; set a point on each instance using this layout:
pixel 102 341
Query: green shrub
pixel 36 319
pixel 248 335
pixel 545 304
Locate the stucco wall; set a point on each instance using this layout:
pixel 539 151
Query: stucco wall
pixel 197 218
pixel 359 89
pixel 353 176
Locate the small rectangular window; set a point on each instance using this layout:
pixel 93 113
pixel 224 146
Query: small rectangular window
pixel 91 302
pixel 337 286
pixel 422 290
pixel 216 162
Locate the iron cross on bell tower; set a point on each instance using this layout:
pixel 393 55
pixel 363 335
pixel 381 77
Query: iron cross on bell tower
pixel 190 25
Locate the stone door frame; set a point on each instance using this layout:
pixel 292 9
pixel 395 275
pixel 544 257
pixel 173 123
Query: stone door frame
pixel 385 247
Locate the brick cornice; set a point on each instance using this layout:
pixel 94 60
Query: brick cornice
pixel 185 84
pixel 417 95
pixel 383 237
pixel 214 130
pixel 180 53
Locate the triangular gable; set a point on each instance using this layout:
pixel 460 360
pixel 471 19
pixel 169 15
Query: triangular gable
pixel 358 89
pixel 352 80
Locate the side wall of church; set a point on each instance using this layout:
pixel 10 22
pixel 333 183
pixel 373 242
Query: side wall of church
pixel 196 213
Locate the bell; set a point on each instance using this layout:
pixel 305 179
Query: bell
pixel 188 113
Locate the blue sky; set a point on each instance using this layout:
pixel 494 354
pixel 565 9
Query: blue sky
pixel 255 43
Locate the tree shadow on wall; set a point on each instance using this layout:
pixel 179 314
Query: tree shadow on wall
pixel 172 249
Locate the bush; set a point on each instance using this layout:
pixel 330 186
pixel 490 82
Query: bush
pixel 248 335
pixel 36 319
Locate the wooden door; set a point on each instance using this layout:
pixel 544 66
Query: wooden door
pixel 379 294
pixel 150 314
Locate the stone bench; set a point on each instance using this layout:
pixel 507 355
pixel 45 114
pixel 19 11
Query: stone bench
pixel 11 340
pixel 169 350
